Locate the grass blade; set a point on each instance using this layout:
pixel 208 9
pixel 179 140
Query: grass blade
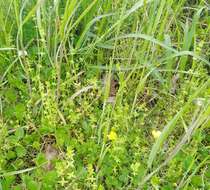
pixel 171 125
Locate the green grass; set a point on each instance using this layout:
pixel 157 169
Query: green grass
pixel 101 94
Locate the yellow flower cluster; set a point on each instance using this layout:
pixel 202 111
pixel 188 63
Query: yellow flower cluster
pixel 156 133
pixel 112 135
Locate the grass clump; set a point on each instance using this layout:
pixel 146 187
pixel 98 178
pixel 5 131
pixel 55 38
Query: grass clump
pixel 104 94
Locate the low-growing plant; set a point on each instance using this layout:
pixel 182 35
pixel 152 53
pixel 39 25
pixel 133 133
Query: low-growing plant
pixel 100 94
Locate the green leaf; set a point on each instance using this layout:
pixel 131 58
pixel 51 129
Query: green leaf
pixel 196 181
pixel 207 173
pixel 20 111
pixel 189 35
pixel 20 151
pixel 175 52
pixel 40 159
pixel 7 182
pixel 16 82
pixel 11 95
pixel 61 136
pixel 30 183
pixel 11 174
pixel 12 139
pixel 11 155
pixel 18 187
pixel 19 133
pixel 50 178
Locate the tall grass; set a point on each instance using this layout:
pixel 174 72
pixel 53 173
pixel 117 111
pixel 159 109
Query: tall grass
pixel 54 56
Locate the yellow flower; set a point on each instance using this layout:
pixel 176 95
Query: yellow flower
pixel 112 136
pixel 156 134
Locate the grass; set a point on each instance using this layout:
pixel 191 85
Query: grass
pixel 100 94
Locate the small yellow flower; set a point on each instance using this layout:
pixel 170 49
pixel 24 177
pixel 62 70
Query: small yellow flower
pixel 156 133
pixel 112 136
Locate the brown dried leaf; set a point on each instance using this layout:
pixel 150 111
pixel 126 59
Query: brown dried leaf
pixel 174 81
pixel 113 87
pixel 50 154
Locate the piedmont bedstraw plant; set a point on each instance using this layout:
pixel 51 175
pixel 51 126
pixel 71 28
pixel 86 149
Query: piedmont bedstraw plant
pixel 101 94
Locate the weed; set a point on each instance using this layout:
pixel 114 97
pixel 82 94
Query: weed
pixel 100 94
